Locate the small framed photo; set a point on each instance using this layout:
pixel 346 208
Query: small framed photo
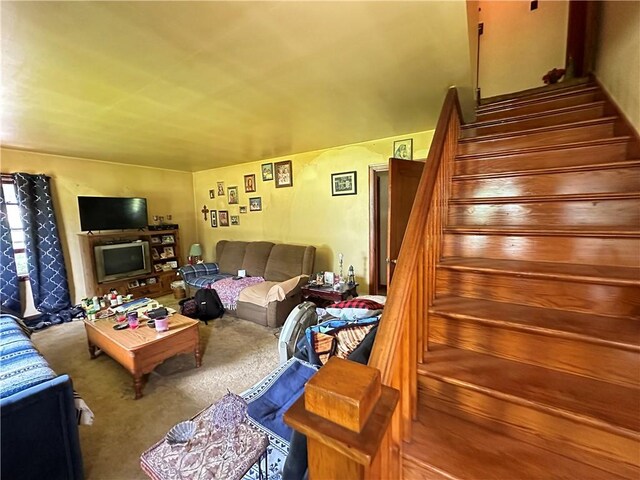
pixel 133 284
pixel 284 174
pixel 221 189
pixel 166 267
pixel 154 254
pixel 167 252
pixel 255 204
pixel 214 218
pixel 168 239
pixel 151 280
pixel 328 278
pixel 212 193
pixel 250 183
pixel 235 220
pixel 403 149
pixel 232 194
pixel 267 172
pixel 223 216
pixel 345 183
pixel 155 240
pixel 243 209
pixel 157 267
pixel 173 264
pixel 319 278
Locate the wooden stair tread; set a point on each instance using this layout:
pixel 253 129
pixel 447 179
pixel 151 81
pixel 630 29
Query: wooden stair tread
pixel 604 405
pixel 526 100
pixel 527 150
pixel 615 332
pixel 635 162
pixel 556 230
pixel 548 198
pixel 579 273
pixel 537 93
pixel 529 116
pixel 459 449
pixel 529 131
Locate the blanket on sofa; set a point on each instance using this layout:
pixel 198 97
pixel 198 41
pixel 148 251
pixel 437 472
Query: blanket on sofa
pixel 229 289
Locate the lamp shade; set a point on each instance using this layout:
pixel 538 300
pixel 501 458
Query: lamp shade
pixel 195 250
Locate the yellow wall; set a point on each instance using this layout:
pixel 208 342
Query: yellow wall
pixel 618 57
pixel 519 46
pixel 307 213
pixel 167 192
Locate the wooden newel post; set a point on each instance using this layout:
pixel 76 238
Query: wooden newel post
pixel 345 413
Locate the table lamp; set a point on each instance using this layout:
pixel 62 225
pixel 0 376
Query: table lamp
pixel 195 254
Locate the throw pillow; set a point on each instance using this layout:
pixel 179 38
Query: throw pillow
pixel 354 309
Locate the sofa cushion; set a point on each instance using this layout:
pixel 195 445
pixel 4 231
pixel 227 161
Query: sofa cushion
pixel 264 293
pixel 230 255
pixel 22 365
pixel 288 261
pixel 255 258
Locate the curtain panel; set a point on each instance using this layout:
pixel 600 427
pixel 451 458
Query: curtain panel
pixel 9 285
pixel 45 262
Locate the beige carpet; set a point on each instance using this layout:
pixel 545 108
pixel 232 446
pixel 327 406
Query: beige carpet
pixel 236 354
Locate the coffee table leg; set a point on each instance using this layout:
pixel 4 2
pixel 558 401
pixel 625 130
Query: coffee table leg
pixel 92 350
pixel 198 355
pixel 137 385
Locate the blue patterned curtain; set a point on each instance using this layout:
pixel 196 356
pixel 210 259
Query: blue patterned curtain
pixel 9 286
pixel 47 273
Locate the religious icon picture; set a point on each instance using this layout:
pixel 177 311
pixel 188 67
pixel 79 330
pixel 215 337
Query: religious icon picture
pixel 232 194
pixel 250 183
pixel 403 149
pixel 223 216
pixel 221 189
pixel 212 193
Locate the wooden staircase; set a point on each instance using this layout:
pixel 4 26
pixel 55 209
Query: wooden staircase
pixel 531 364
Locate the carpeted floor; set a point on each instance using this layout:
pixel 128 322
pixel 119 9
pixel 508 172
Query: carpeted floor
pixel 236 354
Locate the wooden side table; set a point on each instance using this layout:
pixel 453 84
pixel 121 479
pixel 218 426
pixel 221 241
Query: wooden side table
pixel 323 296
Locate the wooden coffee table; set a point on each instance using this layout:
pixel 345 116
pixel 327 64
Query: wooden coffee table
pixel 143 349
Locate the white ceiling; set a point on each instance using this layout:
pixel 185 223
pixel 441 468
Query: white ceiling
pixel 196 85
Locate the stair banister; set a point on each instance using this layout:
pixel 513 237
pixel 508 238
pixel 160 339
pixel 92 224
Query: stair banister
pixel 398 346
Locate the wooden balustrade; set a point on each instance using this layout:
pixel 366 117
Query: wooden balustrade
pixel 401 337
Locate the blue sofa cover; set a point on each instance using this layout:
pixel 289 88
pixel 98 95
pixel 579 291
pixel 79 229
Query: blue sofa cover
pixel 38 415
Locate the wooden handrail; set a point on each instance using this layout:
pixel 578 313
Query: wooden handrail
pixel 375 450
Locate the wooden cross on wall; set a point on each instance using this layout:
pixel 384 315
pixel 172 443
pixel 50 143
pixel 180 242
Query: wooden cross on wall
pixel 205 210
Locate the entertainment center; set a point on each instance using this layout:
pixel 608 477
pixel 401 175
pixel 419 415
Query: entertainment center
pixel 143 263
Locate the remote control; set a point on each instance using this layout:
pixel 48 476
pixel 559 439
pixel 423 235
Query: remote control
pixel 121 326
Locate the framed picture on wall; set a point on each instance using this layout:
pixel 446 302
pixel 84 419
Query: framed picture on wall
pixel 235 220
pixel 243 209
pixel 403 149
pixel 267 172
pixel 214 218
pixel 344 183
pixel 212 193
pixel 221 189
pixel 250 183
pixel 255 204
pixel 232 193
pixel 223 216
pixel 284 174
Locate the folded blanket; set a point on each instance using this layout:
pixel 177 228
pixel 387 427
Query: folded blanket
pixel 229 289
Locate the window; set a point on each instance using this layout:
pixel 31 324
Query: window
pixel 15 224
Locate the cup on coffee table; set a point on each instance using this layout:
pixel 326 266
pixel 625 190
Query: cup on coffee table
pixel 132 319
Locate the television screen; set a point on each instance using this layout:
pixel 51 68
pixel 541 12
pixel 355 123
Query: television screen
pixel 121 260
pixel 112 213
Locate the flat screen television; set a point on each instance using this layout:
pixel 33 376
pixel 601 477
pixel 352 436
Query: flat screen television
pixel 112 213
pixel 121 260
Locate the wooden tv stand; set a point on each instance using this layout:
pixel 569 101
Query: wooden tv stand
pixel 154 284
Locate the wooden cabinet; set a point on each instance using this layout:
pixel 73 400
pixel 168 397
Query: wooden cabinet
pixel 164 258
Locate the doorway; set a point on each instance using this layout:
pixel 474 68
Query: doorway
pixel 378 228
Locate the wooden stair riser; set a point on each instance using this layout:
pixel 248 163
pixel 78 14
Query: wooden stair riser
pixel 565 294
pixel 545 94
pixel 537 107
pixel 595 154
pixel 558 183
pixel 601 362
pixel 411 468
pixel 569 115
pixel 527 421
pixel 537 138
pixel 598 212
pixel 621 252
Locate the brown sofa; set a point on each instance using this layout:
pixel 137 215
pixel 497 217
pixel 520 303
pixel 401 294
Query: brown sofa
pixel 285 269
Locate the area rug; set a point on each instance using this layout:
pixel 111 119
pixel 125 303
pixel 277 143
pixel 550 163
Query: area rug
pixel 236 355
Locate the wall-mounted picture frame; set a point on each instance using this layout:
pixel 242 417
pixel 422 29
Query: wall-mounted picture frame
pixel 250 183
pixel 212 193
pixel 267 172
pixel 223 217
pixel 243 209
pixel 214 218
pixel 221 189
pixel 403 149
pixel 345 183
pixel 235 220
pixel 283 174
pixel 232 195
pixel 255 204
